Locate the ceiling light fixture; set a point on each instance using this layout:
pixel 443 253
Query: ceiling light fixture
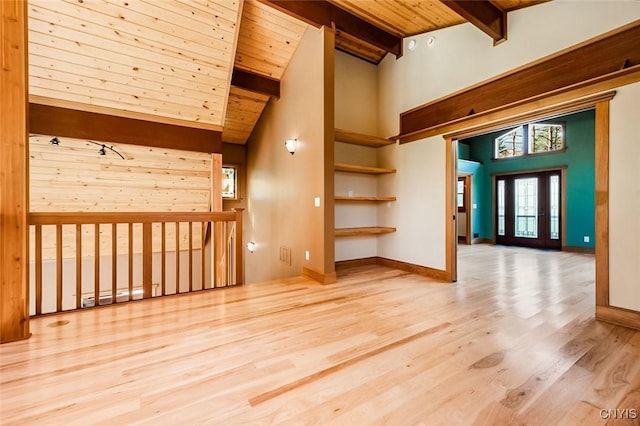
pixel 291 145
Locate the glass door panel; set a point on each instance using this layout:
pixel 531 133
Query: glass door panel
pixel 554 207
pixel 526 207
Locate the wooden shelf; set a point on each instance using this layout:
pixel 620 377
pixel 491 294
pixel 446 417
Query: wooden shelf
pixel 353 138
pixel 363 231
pixel 348 198
pixel 352 168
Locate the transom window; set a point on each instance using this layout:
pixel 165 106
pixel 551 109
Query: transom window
pixel 528 139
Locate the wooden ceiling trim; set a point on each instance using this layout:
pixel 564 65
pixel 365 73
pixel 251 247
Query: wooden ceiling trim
pixel 255 82
pixel 484 15
pixel 50 120
pixel 323 13
pixel 40 100
pixel 603 57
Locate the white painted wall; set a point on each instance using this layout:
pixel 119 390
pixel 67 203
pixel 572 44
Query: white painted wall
pixel 280 187
pixel 624 199
pixel 463 56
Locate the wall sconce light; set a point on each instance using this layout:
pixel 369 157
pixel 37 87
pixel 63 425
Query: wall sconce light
pixel 290 144
pixel 251 246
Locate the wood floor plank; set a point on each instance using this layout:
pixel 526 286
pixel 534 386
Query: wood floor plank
pixel 514 341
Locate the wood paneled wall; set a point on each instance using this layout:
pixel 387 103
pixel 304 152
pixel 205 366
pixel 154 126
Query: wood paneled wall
pixel 73 177
pixel 164 58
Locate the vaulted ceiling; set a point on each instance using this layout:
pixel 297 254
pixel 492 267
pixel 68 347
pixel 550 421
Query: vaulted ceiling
pixel 213 64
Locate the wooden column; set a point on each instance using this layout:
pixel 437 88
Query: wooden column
pixel 218 243
pixel 14 206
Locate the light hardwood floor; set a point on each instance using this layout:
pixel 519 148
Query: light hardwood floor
pixel 513 342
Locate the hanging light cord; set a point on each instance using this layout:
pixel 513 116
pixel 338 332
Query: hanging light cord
pixel 102 151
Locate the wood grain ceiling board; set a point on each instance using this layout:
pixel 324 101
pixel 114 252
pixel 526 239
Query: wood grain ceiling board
pixel 170 59
pixel 403 18
pixel 268 38
pixel 243 111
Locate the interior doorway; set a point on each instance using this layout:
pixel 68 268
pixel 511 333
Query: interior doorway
pixel 528 209
pixel 463 200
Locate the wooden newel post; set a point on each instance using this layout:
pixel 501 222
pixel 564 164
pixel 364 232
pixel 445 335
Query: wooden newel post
pixel 217 240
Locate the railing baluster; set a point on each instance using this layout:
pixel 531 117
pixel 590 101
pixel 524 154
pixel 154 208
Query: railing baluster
pixel 59 268
pixel 96 279
pixel 130 261
pixel 78 266
pixel 114 262
pixel 190 256
pixel 164 260
pixel 38 269
pixel 203 236
pixel 147 260
pixel 177 257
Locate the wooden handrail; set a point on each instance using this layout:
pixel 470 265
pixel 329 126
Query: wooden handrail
pixel 41 218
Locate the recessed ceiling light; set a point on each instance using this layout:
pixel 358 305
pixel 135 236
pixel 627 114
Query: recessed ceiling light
pixel 412 44
pixel 431 41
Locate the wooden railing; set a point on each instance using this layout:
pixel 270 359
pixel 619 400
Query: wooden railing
pixel 131 255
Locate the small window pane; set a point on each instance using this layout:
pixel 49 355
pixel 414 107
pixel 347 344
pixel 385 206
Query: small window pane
pixel 229 182
pixel 510 144
pixel 546 137
pixel 460 193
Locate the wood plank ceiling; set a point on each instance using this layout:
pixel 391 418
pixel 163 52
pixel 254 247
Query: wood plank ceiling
pixel 172 61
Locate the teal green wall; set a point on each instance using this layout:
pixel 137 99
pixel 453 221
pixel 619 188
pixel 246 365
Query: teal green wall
pixel 580 163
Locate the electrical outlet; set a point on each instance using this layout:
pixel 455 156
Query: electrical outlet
pixel 586 239
pixel 306 254
pixel 316 201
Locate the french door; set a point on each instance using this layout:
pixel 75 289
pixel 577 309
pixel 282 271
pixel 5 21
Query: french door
pixel 528 209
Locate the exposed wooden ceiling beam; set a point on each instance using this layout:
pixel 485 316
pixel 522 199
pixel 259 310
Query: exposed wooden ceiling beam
pixel 322 13
pixel 255 82
pixel 58 121
pixel 484 15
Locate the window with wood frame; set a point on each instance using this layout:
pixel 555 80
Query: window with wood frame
pixel 462 204
pixel 528 139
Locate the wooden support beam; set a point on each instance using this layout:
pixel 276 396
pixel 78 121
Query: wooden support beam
pixel 255 82
pixel 323 13
pixel 484 15
pixel 590 62
pixel 14 167
pixel 71 123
